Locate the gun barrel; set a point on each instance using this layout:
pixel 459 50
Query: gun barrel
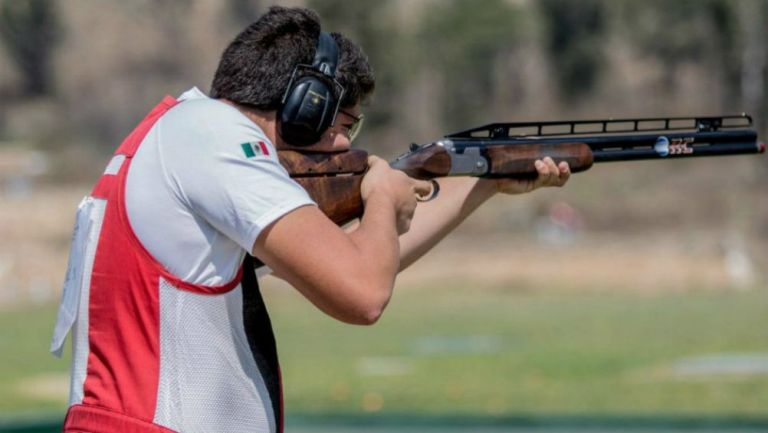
pixel 625 139
pixel 634 146
pixel 666 150
pixel 734 142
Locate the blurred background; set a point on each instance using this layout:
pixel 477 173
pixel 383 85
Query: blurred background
pixel 636 295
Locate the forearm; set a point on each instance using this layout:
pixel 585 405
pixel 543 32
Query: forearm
pixel 349 276
pixel 458 198
pixel 352 274
pixel 376 241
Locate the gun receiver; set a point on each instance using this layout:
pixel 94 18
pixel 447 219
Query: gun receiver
pixel 509 150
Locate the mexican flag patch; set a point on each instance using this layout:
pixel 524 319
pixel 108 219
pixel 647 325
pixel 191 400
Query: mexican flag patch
pixel 255 148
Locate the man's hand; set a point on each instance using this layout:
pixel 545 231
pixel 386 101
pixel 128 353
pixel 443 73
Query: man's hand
pixel 349 275
pixel 401 191
pixel 550 174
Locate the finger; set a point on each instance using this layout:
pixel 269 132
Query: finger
pixel 551 166
pixel 554 171
pixel 431 195
pixel 557 170
pixel 547 172
pixel 373 159
pixel 425 190
pixel 565 173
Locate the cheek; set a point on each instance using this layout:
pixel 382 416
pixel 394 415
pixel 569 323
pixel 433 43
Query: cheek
pixel 325 143
pixel 331 141
pixel 341 141
pixel 335 140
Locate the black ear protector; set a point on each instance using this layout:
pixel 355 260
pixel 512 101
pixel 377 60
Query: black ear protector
pixel 312 99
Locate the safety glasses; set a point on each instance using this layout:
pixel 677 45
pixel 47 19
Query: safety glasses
pixel 357 125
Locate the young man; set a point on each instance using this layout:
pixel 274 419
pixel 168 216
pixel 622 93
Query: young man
pixel 169 329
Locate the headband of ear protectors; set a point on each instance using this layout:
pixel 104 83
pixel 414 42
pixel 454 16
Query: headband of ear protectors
pixel 312 99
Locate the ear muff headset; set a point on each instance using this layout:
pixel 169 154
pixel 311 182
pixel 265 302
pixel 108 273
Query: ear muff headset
pixel 312 99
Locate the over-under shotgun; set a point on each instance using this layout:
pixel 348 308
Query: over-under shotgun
pixel 509 150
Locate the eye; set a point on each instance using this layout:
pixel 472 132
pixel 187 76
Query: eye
pixel 352 124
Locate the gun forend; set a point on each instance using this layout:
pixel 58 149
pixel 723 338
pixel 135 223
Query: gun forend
pixel 518 161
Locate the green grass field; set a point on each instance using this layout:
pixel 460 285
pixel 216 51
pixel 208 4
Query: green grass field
pixel 482 351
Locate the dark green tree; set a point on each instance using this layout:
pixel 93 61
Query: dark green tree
pixel 29 30
pixel 688 31
pixel 574 33
pixel 463 41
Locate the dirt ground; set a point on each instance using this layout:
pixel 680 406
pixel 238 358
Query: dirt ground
pixel 35 226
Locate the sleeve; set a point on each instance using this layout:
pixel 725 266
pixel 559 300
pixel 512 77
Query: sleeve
pixel 228 173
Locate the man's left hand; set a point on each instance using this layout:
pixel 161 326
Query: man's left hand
pixel 550 174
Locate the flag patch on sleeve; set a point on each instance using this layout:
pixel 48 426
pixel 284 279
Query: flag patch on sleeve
pixel 255 148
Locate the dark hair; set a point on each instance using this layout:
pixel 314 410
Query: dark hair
pixel 256 66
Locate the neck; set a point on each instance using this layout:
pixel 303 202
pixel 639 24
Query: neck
pixel 266 120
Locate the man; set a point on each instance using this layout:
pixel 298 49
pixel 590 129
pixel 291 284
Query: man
pixel 169 329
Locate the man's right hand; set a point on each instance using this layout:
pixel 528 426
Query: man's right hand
pixel 348 275
pixel 383 182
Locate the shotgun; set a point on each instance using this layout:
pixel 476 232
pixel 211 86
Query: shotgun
pixel 509 150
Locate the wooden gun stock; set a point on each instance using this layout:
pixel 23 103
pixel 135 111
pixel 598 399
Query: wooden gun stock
pixel 331 179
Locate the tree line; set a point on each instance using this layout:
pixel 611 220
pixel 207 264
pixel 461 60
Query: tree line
pixel 440 65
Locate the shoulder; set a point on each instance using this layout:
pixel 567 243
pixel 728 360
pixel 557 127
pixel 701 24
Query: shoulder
pixel 203 113
pixel 204 124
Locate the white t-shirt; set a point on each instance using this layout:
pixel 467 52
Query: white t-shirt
pixel 203 185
